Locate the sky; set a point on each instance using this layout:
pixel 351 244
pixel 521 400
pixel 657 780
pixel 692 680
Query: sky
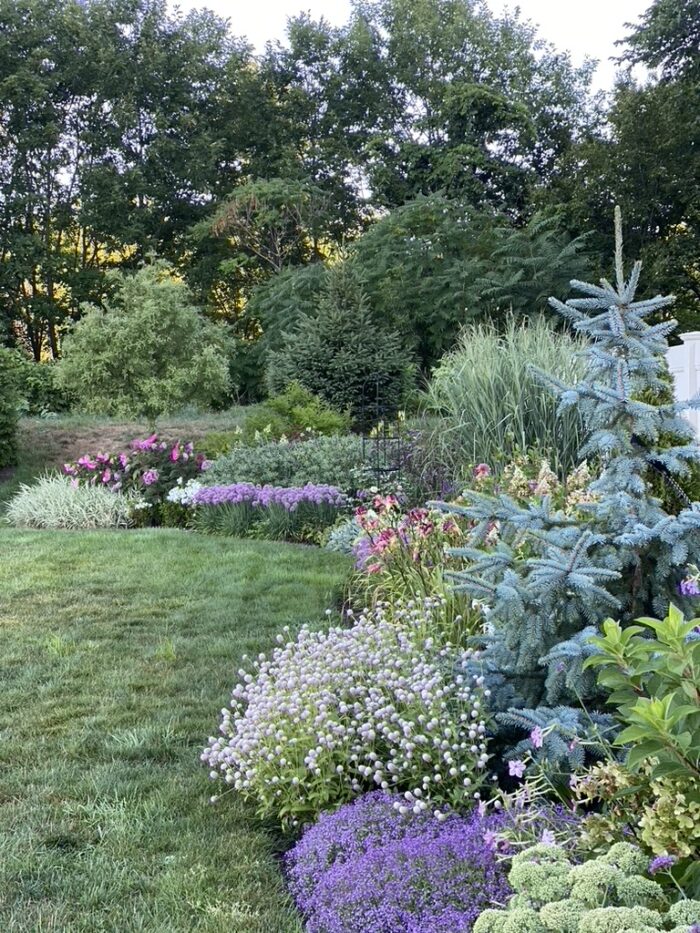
pixel 584 28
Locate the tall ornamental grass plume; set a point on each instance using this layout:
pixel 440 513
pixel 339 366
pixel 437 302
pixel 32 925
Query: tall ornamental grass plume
pixel 334 713
pixel 58 502
pixel 372 866
pixel 492 404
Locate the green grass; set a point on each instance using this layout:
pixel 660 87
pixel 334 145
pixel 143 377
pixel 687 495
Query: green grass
pixel 118 650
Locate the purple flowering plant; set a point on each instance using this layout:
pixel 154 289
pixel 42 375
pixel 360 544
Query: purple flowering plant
pixel 298 513
pixel 334 713
pixel 370 866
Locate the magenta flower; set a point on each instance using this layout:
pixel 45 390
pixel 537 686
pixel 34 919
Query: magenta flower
pixel 123 459
pixel 107 475
pixel 87 463
pixel 175 452
pixel 537 737
pixel 150 477
pixel 516 768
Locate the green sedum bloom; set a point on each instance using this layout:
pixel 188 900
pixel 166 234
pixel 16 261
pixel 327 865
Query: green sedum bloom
pixel 609 894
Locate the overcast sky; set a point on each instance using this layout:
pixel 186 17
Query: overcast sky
pixel 585 28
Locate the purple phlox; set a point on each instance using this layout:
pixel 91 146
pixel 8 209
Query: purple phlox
pixel 288 498
pixel 689 587
pixel 150 477
pixel 537 737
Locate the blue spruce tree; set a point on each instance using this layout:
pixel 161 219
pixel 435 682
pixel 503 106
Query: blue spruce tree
pixel 554 577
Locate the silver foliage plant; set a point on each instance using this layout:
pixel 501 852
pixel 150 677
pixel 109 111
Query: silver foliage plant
pixel 55 502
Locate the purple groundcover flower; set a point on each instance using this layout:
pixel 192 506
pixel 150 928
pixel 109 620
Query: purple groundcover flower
pixel 266 496
pixel 367 867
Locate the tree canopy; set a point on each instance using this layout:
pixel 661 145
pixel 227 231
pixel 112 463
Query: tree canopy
pixel 460 158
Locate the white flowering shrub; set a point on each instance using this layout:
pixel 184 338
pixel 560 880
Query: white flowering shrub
pixel 58 502
pixel 332 714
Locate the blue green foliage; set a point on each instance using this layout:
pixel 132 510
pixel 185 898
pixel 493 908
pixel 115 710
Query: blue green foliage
pixel 552 575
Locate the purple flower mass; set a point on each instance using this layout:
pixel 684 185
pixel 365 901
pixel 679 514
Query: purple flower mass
pixel 367 867
pixel 265 496
pixel 689 587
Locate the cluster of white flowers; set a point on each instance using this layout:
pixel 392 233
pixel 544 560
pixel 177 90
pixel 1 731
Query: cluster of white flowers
pixel 183 495
pixel 332 714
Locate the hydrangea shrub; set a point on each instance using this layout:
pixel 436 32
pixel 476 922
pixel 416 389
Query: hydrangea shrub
pixel 334 713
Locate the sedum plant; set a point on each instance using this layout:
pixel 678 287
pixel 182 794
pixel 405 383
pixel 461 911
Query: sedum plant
pixel 335 713
pixel 610 894
pixel 57 502
pixel 553 576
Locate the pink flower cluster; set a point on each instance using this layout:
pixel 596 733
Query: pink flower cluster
pixel 388 534
pixel 150 467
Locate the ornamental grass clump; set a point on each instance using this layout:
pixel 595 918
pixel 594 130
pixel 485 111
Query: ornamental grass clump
pixel 370 867
pixel 333 714
pixel 57 502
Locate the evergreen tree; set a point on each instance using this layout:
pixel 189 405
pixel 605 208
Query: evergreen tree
pixel 344 355
pixel 554 576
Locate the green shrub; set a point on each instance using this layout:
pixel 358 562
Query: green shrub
pixel 58 502
pixel 493 406
pixel 304 411
pixel 148 352
pixel 219 443
pixel 36 385
pixel 322 460
pixel 9 414
pixel 344 355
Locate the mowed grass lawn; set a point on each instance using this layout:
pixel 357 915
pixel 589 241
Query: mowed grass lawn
pixel 117 650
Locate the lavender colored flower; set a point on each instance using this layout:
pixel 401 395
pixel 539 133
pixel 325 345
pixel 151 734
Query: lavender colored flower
pixel 661 863
pixel 266 496
pixel 150 477
pixel 367 867
pixel 537 737
pixel 689 587
pixel 516 768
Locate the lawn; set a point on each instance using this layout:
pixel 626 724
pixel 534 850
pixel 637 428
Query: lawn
pixel 118 650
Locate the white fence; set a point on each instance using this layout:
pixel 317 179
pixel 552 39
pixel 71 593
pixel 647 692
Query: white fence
pixel 684 363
